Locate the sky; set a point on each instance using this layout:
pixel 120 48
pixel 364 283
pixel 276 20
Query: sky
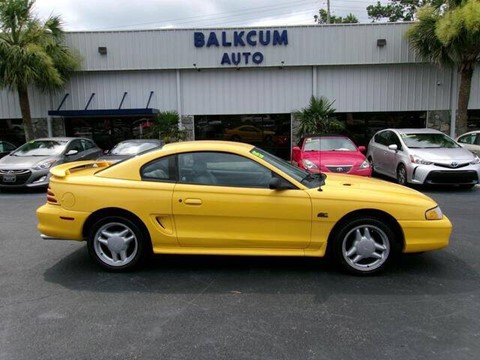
pixel 98 15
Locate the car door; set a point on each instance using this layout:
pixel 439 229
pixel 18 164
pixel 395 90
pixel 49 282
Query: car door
pixel 378 150
pixel 392 157
pixel 471 142
pixel 77 146
pixel 233 207
pixel 91 151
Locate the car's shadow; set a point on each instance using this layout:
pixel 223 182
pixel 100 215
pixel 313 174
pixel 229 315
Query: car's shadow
pixel 423 274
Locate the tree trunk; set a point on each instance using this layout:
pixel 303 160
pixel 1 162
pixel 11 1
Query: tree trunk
pixel 25 109
pixel 463 99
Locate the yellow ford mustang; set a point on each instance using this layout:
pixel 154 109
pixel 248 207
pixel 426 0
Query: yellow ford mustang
pixel 225 198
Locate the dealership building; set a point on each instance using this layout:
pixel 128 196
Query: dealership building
pixel 244 84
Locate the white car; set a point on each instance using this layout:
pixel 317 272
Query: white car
pixel 422 156
pixel 471 141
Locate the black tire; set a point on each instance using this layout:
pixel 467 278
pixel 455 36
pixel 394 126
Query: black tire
pixel 402 175
pixel 364 245
pixel 117 244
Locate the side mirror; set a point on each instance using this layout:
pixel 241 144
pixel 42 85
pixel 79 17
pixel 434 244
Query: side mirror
pixel 393 147
pixel 277 183
pixel 71 152
pixel 362 149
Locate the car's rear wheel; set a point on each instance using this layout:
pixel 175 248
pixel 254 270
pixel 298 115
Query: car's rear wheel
pixel 116 243
pixel 402 174
pixel 364 245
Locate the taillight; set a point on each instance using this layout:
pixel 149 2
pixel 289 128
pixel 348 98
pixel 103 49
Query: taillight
pixel 51 197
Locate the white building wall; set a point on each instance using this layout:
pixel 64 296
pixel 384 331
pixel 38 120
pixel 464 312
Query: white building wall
pixel 402 87
pixel 245 91
pixel 348 64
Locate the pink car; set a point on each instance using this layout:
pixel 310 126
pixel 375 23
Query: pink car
pixel 331 153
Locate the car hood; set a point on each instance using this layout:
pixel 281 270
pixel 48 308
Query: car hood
pixel 363 191
pixel 444 155
pixel 334 157
pixel 23 162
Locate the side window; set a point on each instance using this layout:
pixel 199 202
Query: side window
pixel 222 169
pixel 477 140
pixel 467 139
pixel 87 145
pixel 395 140
pixel 382 138
pixel 75 145
pixel 162 169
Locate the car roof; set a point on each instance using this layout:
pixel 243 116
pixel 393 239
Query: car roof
pixel 206 145
pixel 142 141
pixel 324 135
pixel 60 138
pixel 416 131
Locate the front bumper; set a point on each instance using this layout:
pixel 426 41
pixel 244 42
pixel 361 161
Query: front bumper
pixel 426 235
pixel 437 175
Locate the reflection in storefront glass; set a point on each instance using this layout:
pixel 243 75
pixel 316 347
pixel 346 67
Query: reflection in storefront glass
pixel 269 132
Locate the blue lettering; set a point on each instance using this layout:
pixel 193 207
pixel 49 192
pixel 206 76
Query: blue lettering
pixel 212 40
pixel 237 38
pixel 236 60
pixel 225 59
pixel 250 35
pixel 280 39
pixel 198 39
pixel 257 58
pixel 264 40
pixel 246 56
pixel 224 39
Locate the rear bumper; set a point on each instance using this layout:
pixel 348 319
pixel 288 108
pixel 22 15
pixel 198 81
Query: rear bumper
pixel 56 223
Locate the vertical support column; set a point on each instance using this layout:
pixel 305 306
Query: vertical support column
pixel 49 126
pixel 453 101
pixel 179 101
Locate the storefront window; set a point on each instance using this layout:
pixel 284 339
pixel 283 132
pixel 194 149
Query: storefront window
pixel 271 132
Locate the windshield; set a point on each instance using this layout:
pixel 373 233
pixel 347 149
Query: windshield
pixel 41 148
pixel 131 148
pixel 329 144
pixel 428 141
pixel 302 176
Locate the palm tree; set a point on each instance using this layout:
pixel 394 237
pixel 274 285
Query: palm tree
pixel 450 36
pixel 317 118
pixel 32 53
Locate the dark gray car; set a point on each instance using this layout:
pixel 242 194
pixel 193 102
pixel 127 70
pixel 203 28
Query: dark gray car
pixel 29 165
pixel 422 156
pixel 130 148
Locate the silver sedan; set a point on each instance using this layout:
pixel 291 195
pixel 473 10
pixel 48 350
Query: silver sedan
pixel 422 156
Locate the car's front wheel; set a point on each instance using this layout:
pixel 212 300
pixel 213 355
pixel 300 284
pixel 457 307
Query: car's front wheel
pixel 116 243
pixel 402 175
pixel 364 245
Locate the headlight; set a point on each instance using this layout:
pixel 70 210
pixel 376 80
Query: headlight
pixel 365 164
pixel 307 164
pixel 418 160
pixel 476 160
pixel 44 165
pixel 434 214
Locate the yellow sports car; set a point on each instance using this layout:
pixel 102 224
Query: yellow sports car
pixel 226 198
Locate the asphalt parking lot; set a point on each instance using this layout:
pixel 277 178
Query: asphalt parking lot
pixel 56 304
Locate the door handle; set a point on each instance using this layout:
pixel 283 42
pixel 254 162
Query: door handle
pixel 195 202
